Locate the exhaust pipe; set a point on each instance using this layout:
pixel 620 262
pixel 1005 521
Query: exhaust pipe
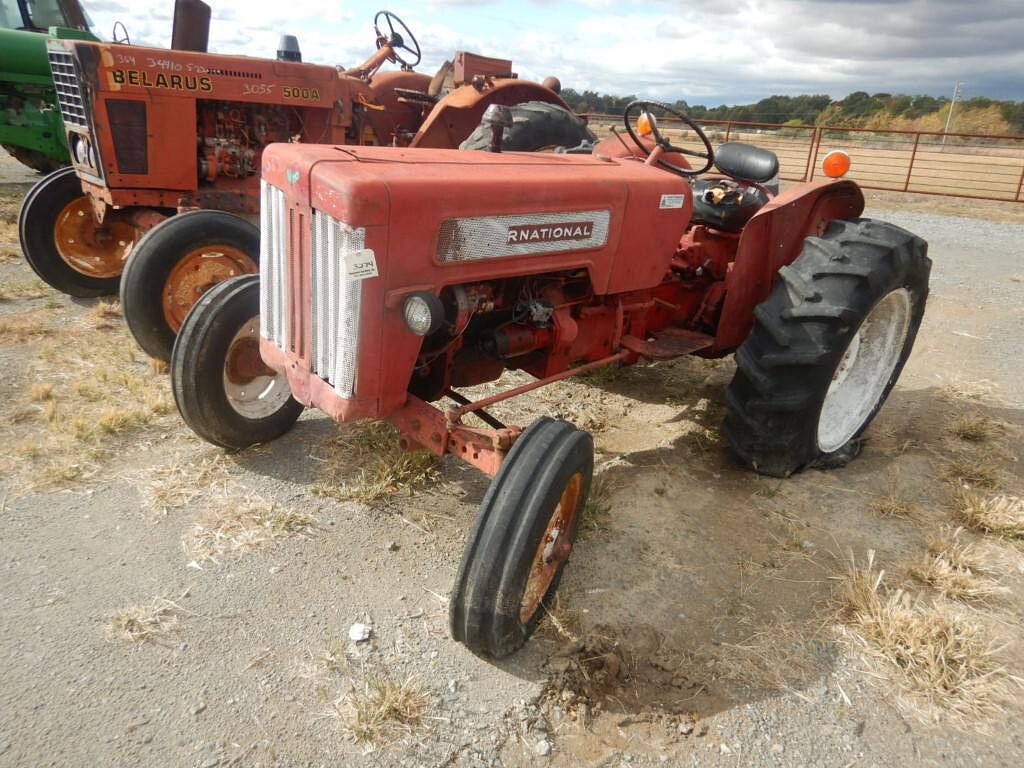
pixel 191 30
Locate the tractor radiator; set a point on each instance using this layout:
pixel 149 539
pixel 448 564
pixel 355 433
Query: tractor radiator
pixel 336 299
pixel 273 265
pixel 69 94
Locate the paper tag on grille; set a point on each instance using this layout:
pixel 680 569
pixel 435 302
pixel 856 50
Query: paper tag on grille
pixel 360 264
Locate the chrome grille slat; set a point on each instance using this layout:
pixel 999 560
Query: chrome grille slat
pixel 336 303
pixel 273 265
pixel 69 93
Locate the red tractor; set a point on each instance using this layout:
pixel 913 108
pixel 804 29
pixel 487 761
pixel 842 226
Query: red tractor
pixel 154 133
pixel 391 278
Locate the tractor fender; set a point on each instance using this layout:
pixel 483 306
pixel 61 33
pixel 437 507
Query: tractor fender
pixel 456 115
pixel 772 238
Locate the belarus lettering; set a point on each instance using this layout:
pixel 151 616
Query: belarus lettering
pixel 550 233
pixel 161 80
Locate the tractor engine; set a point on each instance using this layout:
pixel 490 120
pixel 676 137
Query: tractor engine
pixel 231 136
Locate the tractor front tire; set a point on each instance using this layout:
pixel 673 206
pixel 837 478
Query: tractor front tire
pixel 521 539
pixel 536 125
pixel 827 347
pixel 64 244
pixel 174 264
pixel 222 388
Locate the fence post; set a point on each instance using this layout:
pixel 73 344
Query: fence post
pixel 910 166
pixel 812 153
pixel 728 128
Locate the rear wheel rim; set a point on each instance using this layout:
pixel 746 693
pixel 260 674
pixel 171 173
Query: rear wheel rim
pixel 862 376
pixel 200 269
pixel 88 247
pixel 253 389
pixel 553 549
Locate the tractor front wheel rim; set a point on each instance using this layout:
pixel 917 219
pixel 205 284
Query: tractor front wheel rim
pixel 553 550
pixel 253 389
pixel 88 247
pixel 199 270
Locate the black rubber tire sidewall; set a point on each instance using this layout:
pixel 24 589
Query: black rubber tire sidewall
pixel 197 367
pixel 535 125
pixel 484 612
pixel 36 221
pixel 155 256
pixel 786 364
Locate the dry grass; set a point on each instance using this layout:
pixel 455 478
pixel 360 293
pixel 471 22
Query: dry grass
pixel 943 662
pixel 24 327
pixel 957 569
pixel 364 462
pixel 145 623
pixel 960 392
pixel 893 503
pixel 999 514
pixel 104 313
pixel 382 709
pixel 35 289
pixel 974 469
pixel 184 480
pixel 240 524
pixel 39 392
pixel 974 428
pixel 779 655
pixel 598 505
pixel 561 622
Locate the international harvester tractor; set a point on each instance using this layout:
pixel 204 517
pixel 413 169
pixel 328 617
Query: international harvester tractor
pixel 154 133
pixel 391 278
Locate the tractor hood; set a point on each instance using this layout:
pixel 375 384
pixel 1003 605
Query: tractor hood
pixel 23 54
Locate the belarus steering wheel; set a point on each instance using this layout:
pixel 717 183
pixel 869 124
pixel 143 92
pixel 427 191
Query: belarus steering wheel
pixel 638 108
pixel 399 41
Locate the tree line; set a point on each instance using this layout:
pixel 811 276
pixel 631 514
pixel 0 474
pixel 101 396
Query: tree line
pixel 855 109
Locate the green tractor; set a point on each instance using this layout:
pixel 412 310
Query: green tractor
pixel 31 128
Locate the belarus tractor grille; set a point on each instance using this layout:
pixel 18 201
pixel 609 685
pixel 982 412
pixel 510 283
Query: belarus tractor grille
pixel 335 303
pixel 273 265
pixel 69 95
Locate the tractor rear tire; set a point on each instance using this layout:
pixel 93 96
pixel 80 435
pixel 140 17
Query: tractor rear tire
pixel 536 125
pixel 222 389
pixel 827 347
pixel 63 243
pixel 521 539
pixel 174 264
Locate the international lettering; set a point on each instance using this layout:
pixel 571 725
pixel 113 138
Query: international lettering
pixel 550 233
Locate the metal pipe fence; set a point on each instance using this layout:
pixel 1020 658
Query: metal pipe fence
pixel 970 165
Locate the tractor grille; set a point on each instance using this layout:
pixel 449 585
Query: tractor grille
pixel 336 298
pixel 69 95
pixel 273 265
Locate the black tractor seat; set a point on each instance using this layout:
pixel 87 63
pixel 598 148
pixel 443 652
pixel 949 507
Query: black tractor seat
pixel 746 162
pixel 727 204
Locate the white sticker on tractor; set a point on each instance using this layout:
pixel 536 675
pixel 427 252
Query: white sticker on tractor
pixel 360 264
pixel 672 201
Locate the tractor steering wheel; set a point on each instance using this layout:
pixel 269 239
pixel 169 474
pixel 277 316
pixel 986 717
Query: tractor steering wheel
pixel 395 40
pixel 644 107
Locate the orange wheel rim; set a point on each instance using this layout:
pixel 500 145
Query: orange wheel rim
pixel 553 549
pixel 88 247
pixel 200 270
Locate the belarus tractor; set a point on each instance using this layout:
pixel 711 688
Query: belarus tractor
pixel 390 279
pixel 31 129
pixel 156 133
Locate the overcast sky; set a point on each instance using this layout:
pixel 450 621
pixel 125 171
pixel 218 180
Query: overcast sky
pixel 723 51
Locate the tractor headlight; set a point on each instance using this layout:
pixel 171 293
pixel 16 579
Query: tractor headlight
pixel 423 313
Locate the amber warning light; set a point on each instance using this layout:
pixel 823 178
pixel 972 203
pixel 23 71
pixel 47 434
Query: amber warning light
pixel 836 163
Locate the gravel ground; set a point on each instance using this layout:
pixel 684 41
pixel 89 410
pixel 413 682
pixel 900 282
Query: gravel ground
pixel 703 589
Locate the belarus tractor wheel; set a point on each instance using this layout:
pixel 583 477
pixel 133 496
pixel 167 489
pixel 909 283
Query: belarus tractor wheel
pixel 174 264
pixel 522 538
pixel 65 245
pixel 536 125
pixel 827 346
pixel 223 389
